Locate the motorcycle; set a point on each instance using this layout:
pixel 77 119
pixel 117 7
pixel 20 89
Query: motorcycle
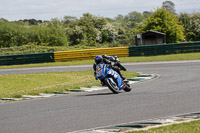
pixel 111 79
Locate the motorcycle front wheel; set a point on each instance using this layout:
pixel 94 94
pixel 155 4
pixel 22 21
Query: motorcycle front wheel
pixel 128 88
pixel 112 86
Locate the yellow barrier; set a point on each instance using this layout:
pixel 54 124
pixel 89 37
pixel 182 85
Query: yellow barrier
pixel 89 53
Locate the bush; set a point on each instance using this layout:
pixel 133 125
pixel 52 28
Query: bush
pixel 50 36
pixel 12 34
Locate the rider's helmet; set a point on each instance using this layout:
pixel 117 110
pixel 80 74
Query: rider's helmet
pixel 104 56
pixel 98 59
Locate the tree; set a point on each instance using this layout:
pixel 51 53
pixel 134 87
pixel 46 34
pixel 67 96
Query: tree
pixel 133 18
pixel 169 5
pixel 147 14
pixel 191 24
pixel 32 21
pixel 69 18
pixel 163 21
pixel 196 26
pixel 119 17
pixel 185 20
pixel 83 30
pixel 55 22
pixel 108 33
pixel 89 30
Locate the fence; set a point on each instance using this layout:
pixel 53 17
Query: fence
pixel 62 56
pixel 148 50
pixel 164 49
pixel 89 54
pixel 26 58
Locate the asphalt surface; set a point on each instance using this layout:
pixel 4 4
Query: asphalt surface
pixel 176 91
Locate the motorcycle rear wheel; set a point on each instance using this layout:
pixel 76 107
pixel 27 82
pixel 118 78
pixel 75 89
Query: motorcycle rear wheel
pixel 112 87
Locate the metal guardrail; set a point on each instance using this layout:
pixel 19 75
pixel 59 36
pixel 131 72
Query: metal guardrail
pixel 90 53
pixel 62 56
pixel 26 58
pixel 147 50
pixel 164 49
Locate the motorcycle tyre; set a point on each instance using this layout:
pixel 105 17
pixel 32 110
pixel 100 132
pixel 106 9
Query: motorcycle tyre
pixel 128 88
pixel 113 88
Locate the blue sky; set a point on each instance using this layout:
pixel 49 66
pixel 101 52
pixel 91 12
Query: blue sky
pixel 48 9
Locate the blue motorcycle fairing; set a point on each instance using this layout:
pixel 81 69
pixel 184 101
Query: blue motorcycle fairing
pixel 102 71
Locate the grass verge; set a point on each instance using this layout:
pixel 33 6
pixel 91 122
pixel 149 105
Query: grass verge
pixel 173 57
pixel 14 86
pixel 191 127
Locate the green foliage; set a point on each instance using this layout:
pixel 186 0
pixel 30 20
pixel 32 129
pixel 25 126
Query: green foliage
pixel 93 31
pixel 133 19
pixel 191 24
pixel 75 34
pixel 12 34
pixel 127 26
pixel 89 30
pixel 32 21
pixel 163 21
pixel 108 33
pixel 50 36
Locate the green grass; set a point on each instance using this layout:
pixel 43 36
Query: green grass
pixel 191 127
pixel 173 57
pixel 32 84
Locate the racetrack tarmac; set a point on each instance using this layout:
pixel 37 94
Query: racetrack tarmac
pixel 176 91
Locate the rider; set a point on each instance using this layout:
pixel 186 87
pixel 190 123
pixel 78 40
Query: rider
pixel 115 59
pixel 100 59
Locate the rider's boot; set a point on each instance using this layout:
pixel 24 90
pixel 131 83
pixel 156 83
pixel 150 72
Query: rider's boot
pixel 120 74
pixel 123 77
pixel 121 67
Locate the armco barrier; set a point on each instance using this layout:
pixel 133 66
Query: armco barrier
pixel 26 58
pixel 62 56
pixel 90 53
pixel 164 49
pixel 148 50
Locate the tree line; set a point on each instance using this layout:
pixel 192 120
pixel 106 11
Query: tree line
pixel 93 30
